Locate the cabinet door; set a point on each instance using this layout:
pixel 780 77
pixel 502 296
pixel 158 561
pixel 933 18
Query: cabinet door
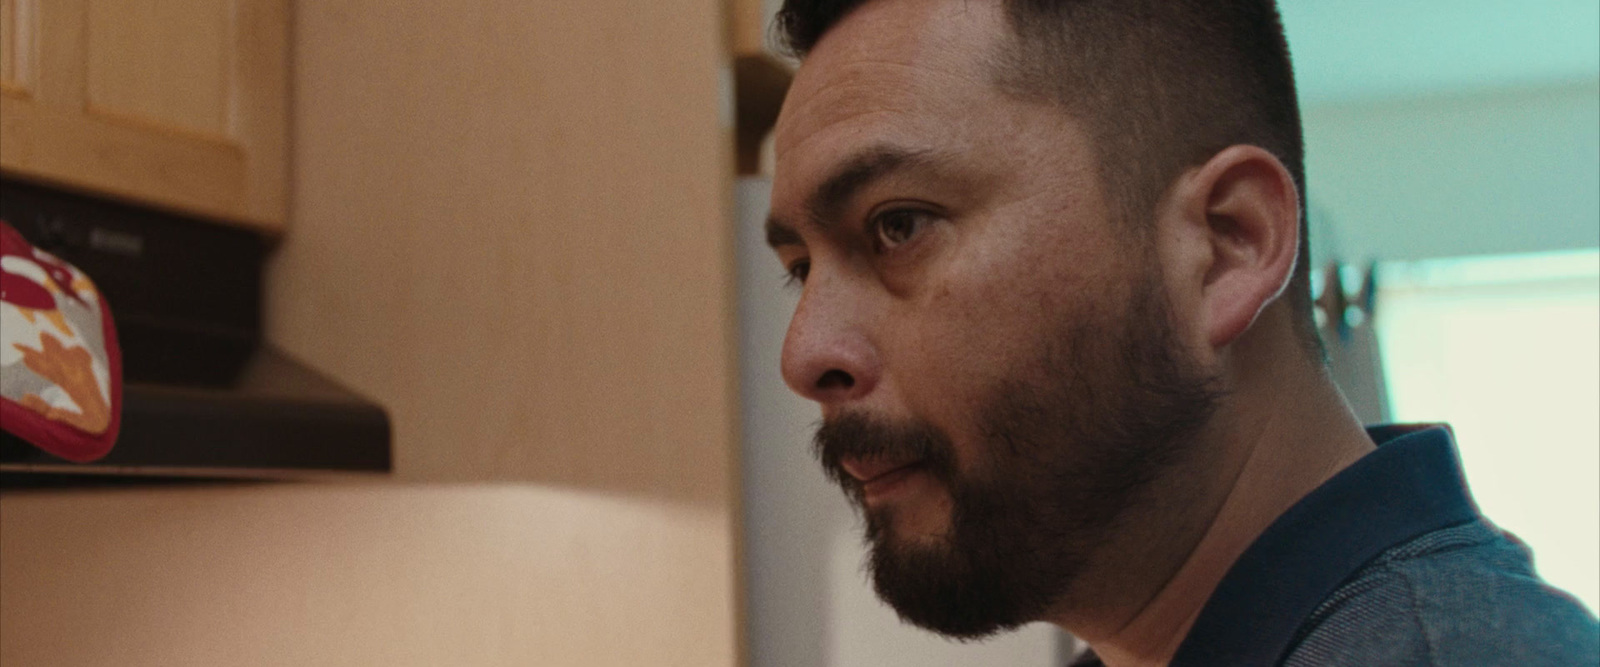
pixel 178 103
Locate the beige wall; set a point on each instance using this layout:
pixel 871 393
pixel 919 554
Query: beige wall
pixel 510 225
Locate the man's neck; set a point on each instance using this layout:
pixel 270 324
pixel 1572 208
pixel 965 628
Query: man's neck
pixel 1294 436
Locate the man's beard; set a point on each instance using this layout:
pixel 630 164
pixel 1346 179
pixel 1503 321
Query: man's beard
pixel 1069 445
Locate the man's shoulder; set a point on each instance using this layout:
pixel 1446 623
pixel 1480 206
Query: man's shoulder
pixel 1462 595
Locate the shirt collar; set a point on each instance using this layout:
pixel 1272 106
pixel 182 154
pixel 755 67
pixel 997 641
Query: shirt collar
pixel 1409 486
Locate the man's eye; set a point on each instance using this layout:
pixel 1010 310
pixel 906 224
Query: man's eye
pixel 797 272
pixel 896 227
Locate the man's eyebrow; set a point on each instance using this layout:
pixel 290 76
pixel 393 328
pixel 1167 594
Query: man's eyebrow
pixel 780 234
pixel 827 202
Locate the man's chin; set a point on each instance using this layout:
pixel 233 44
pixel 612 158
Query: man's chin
pixel 890 528
pixel 961 564
pixel 930 585
pixel 919 519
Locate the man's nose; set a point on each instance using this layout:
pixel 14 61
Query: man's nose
pixel 827 356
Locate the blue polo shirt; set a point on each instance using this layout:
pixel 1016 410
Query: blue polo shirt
pixel 1389 563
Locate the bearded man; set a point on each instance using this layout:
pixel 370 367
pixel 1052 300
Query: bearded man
pixel 1056 311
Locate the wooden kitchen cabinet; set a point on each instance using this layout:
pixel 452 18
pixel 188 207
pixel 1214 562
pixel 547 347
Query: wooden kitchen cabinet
pixel 180 104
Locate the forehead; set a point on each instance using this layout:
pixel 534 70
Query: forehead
pixel 897 71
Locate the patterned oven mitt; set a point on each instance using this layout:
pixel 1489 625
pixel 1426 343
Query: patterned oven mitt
pixel 60 367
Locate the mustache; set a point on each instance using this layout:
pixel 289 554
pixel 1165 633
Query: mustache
pixel 862 437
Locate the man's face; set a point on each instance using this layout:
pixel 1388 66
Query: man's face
pixel 998 373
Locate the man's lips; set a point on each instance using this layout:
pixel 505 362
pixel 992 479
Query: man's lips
pixel 870 470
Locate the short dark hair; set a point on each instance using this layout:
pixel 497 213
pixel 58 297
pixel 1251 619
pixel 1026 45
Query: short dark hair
pixel 1162 86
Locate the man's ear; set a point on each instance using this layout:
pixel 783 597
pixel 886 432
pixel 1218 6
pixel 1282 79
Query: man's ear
pixel 1238 225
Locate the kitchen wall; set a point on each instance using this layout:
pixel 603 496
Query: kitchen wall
pixel 510 226
pixel 1481 171
pixel 1439 128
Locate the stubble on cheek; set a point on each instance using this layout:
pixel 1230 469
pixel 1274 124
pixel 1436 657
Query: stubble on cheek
pixel 995 306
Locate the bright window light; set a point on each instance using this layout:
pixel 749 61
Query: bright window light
pixel 1507 350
